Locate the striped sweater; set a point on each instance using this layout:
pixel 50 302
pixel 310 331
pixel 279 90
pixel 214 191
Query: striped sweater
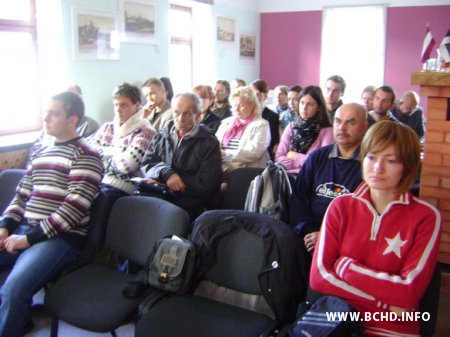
pixel 56 193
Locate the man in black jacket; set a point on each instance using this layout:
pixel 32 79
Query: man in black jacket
pixel 185 156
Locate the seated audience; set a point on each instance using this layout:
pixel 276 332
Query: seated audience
pixel 367 96
pixel 123 142
pixel 186 157
pixel 382 103
pixel 335 88
pixel 280 99
pixel 311 131
pixel 85 128
pixel 410 113
pixel 221 105
pixel 207 117
pixel 290 114
pixel 261 89
pixel 46 225
pixel 157 109
pixel 378 246
pixel 328 173
pixel 244 137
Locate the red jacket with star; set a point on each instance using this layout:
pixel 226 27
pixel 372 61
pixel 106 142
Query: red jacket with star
pixel 377 261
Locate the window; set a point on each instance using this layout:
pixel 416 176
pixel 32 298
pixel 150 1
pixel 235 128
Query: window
pixel 180 60
pixel 18 66
pixel 353 46
pixel 192 44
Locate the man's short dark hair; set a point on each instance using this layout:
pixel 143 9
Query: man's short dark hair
pixel 296 88
pixel 388 89
pixel 154 81
pixel 72 104
pixel 261 85
pixel 338 79
pixel 168 86
pixel 128 90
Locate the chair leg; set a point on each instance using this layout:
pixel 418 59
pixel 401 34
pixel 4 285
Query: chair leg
pixel 113 333
pixel 54 327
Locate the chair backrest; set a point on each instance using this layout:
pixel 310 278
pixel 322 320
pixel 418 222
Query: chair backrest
pixel 249 260
pixel 430 303
pixel 97 223
pixel 239 260
pixel 238 183
pixel 137 222
pixel 9 179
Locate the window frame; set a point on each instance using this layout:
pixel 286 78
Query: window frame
pixel 25 26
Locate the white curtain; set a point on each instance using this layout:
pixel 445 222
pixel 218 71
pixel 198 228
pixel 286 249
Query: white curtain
pixel 353 46
pixel 51 47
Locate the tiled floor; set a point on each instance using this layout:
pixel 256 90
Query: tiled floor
pixel 42 321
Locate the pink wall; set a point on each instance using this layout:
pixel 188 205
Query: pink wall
pixel 406 27
pixel 290 44
pixel 290 47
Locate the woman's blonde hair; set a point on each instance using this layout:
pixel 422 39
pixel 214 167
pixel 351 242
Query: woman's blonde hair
pixel 407 148
pixel 249 96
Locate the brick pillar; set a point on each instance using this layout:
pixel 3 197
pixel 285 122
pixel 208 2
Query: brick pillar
pixel 435 174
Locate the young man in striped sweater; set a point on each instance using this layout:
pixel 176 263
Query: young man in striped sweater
pixel 45 226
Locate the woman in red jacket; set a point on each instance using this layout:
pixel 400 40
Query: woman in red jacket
pixel 378 246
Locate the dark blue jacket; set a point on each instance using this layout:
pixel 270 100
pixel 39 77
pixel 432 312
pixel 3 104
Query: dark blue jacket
pixel 323 177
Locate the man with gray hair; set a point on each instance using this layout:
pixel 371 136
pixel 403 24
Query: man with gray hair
pixel 329 172
pixel 410 113
pixel 185 156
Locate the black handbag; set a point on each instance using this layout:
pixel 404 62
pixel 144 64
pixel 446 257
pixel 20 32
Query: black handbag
pixel 154 189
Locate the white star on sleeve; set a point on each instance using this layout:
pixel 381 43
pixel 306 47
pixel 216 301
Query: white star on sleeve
pixel 394 245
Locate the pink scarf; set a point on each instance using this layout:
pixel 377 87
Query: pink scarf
pixel 237 129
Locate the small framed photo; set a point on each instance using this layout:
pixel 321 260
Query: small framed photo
pixel 247 47
pixel 226 29
pixel 95 35
pixel 138 21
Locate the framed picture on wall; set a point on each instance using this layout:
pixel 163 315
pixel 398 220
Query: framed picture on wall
pixel 226 29
pixel 95 35
pixel 247 47
pixel 138 21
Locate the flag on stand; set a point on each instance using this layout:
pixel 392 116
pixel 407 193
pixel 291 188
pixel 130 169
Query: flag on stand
pixel 427 47
pixel 444 48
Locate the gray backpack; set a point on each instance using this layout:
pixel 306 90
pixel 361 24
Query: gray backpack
pixel 269 193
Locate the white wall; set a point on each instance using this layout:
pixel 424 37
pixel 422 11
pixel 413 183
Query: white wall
pixel 267 6
pixel 138 62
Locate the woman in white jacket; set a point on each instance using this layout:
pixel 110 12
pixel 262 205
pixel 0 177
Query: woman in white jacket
pixel 244 137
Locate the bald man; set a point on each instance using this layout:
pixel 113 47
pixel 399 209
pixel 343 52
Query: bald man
pixel 329 172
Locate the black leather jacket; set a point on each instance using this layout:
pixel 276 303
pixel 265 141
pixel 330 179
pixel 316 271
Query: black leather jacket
pixel 196 159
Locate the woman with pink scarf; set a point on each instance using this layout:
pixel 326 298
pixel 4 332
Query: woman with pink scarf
pixel 245 136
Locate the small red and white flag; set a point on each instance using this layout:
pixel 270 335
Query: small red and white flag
pixel 427 47
pixel 444 48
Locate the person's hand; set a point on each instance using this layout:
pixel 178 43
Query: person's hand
pixel 175 183
pixel 292 155
pixel 310 241
pixel 3 235
pixel 14 243
pixel 149 180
